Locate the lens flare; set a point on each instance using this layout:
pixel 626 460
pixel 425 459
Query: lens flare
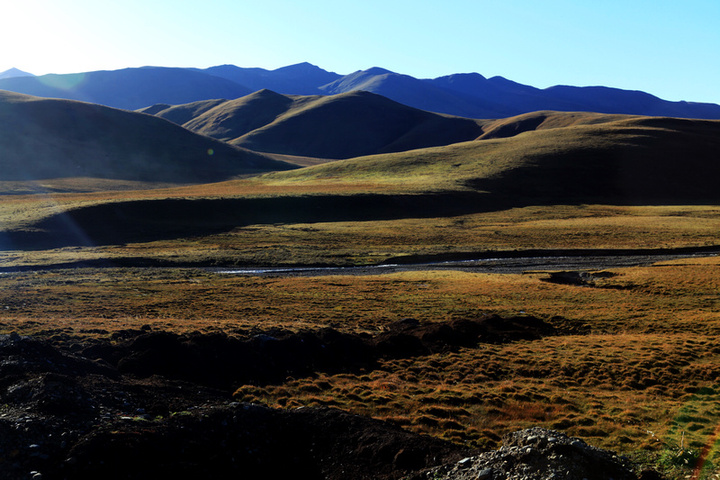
pixel 63 82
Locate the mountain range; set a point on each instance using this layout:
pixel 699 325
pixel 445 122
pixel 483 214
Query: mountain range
pixel 468 95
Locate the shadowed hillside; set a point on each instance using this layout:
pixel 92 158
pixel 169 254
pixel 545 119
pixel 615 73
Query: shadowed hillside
pixel 339 126
pixel 232 119
pixel 183 113
pixel 45 138
pixel 626 160
pixel 631 160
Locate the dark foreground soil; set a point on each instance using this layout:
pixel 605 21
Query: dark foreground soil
pixel 150 404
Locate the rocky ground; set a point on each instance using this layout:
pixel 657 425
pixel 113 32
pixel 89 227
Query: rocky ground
pixel 539 454
pixel 147 404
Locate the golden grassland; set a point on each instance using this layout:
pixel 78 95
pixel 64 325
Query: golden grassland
pixel 448 167
pixel 665 297
pixel 634 368
pixel 358 243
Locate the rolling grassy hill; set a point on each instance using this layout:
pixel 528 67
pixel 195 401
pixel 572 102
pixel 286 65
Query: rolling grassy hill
pixel 609 159
pixel 44 139
pixel 557 159
pixel 334 127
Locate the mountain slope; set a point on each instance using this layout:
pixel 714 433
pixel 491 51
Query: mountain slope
pixel 14 72
pixel 49 138
pixel 232 119
pixel 300 79
pixel 511 126
pixel 619 161
pixel 467 95
pixel 130 88
pixel 524 99
pixel 339 126
pixel 182 113
pixel 418 94
pixel 473 96
pixel 512 97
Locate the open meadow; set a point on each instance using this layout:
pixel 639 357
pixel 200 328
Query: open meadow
pixel 631 363
pixel 626 358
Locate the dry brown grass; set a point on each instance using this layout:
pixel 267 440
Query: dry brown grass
pixel 667 297
pixel 620 391
pixel 641 375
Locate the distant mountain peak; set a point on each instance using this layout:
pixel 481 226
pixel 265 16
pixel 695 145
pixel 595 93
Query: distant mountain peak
pixel 14 72
pixel 473 75
pixel 300 66
pixel 265 93
pixel 376 71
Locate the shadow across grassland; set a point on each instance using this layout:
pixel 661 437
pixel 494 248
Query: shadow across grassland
pixel 117 223
pixel 148 220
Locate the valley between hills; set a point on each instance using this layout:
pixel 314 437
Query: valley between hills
pixel 122 327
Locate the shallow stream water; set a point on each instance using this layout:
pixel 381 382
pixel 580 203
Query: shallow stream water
pixel 483 265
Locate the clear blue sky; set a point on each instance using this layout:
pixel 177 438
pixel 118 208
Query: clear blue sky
pixel 668 48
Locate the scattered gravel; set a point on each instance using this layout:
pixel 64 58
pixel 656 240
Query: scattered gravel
pixel 537 454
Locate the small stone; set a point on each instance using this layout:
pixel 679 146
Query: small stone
pixel 485 474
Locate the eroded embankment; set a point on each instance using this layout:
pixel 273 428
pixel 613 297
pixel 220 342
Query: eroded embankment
pixel 265 357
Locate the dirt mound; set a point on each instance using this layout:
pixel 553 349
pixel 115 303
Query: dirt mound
pixel 222 361
pixel 245 441
pixel 69 417
pixel 537 453
pixel 409 338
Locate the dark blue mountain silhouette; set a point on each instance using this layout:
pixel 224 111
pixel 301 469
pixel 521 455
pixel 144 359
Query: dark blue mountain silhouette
pixel 300 79
pixel 14 72
pixel 467 95
pixel 129 88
